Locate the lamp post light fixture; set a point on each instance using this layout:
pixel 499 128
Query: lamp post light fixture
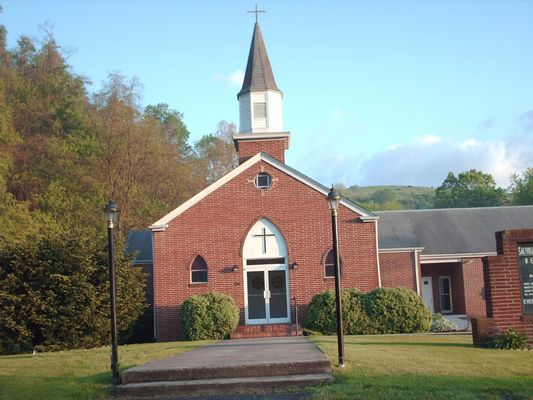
pixel 111 211
pixel 333 201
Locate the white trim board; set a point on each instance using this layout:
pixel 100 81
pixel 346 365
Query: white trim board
pixel 401 250
pixel 162 223
pixel 458 257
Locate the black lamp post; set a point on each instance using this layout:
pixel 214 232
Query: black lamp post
pixel 111 211
pixel 333 201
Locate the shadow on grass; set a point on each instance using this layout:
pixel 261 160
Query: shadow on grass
pixel 412 386
pixel 429 344
pixel 18 356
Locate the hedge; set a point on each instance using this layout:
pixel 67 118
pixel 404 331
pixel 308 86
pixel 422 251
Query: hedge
pixel 209 316
pixel 384 310
pixel 321 317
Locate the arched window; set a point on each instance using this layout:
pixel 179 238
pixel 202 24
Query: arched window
pixel 199 270
pixel 329 265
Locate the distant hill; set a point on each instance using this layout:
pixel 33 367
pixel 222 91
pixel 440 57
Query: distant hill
pixel 376 198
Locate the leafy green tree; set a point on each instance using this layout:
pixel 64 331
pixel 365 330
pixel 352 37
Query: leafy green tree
pixel 55 294
pixel 384 196
pixel 522 188
pixel 215 153
pixel 171 124
pixel 469 189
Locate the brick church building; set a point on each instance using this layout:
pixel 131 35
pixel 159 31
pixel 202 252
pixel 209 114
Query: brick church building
pixel 262 234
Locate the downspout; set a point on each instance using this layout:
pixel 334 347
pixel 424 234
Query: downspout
pixel 377 253
pixel 153 286
pixel 417 279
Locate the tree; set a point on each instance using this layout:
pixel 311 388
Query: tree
pixel 522 188
pixel 215 153
pixel 55 293
pixel 469 189
pixel 382 196
pixel 171 124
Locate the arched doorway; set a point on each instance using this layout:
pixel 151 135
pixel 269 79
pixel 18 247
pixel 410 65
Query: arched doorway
pixel 266 293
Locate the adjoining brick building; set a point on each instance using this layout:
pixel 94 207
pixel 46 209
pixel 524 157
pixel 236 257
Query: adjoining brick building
pixel 262 235
pixel 439 254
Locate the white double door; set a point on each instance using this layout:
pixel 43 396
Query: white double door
pixel 267 297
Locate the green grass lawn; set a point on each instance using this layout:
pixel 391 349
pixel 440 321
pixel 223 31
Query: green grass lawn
pixel 74 374
pixel 378 367
pixel 425 367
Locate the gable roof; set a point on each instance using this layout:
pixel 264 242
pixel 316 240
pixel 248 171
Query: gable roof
pixel 258 74
pixel 452 230
pixel 141 242
pixel 162 223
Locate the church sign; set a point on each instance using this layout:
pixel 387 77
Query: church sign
pixel 525 256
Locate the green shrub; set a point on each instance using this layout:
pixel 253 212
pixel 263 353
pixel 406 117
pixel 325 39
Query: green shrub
pixel 209 316
pixel 322 319
pixel 441 324
pixel 397 310
pixel 509 340
pixel 354 318
pixel 54 293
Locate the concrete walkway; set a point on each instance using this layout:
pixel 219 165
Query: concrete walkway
pixel 256 366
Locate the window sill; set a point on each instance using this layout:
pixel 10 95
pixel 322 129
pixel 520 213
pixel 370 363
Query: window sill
pixel 197 283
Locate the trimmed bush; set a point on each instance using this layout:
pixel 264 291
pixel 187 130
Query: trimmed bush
pixel 384 310
pixel 321 318
pixel 209 316
pixel 441 324
pixel 397 310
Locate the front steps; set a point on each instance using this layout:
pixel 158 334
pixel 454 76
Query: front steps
pixel 261 331
pixel 249 366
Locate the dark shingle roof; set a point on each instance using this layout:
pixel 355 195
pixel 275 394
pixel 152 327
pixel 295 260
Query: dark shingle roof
pixel 258 74
pixel 452 230
pixel 140 241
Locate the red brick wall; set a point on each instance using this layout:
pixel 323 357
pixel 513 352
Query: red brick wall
pixel 274 148
pixel 454 271
pixel 502 284
pixel 216 228
pixel 474 288
pixel 397 269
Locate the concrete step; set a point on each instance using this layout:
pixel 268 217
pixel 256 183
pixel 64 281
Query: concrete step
pixel 257 369
pixel 205 387
pixel 261 331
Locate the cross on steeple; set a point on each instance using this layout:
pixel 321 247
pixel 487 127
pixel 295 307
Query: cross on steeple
pixel 256 11
pixel 264 236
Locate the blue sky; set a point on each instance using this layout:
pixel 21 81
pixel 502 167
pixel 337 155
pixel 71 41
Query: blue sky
pixel 375 92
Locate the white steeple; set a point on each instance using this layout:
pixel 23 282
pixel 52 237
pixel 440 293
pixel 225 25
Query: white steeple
pixel 260 100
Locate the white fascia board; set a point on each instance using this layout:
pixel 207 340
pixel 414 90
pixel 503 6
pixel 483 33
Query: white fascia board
pixel 364 214
pixel 162 223
pixel 457 257
pixel 369 218
pixel 401 250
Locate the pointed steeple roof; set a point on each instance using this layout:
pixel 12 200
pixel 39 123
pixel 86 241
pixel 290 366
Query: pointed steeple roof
pixel 259 74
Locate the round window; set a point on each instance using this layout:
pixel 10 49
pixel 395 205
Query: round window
pixel 263 180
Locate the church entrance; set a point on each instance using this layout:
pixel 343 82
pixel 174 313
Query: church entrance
pixel 265 275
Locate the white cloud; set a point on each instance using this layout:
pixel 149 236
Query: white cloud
pixel 234 79
pixel 422 161
pixel 428 139
pixel 427 163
